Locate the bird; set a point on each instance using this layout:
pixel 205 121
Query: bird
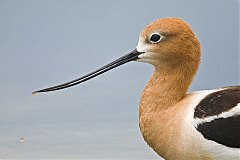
pixel 177 125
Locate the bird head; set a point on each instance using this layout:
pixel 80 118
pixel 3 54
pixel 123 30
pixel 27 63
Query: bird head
pixel 168 42
pixel 165 43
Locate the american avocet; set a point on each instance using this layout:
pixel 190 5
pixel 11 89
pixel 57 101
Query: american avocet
pixel 179 126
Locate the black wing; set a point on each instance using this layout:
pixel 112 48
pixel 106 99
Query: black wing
pixel 225 131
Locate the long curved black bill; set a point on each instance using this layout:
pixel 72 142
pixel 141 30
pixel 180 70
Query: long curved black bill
pixel 120 61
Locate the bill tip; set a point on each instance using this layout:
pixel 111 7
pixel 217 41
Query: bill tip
pixel 35 93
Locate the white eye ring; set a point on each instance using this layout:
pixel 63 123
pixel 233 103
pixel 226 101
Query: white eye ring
pixel 155 38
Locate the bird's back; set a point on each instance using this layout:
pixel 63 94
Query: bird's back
pixel 214 117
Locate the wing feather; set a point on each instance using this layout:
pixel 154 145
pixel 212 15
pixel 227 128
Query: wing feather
pixel 214 125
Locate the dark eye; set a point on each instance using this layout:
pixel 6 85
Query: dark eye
pixel 155 38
